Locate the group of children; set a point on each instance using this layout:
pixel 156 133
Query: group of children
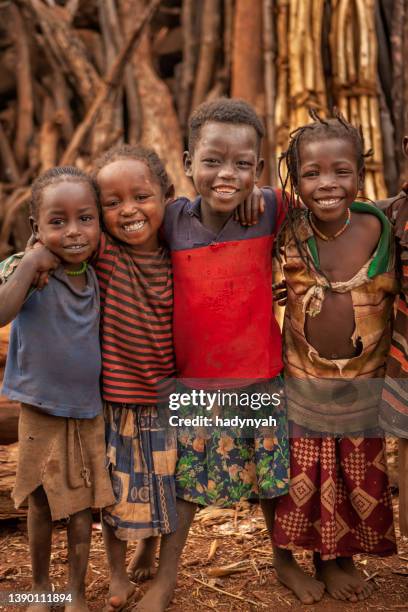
pixel 178 292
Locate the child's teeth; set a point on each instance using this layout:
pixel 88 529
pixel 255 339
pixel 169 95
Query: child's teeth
pixel 329 202
pixel 134 226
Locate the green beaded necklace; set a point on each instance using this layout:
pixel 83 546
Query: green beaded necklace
pixel 81 270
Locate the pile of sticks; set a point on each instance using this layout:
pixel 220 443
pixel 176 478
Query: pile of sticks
pixel 81 75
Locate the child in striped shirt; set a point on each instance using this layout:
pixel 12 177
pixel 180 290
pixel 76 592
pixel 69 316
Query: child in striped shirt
pixel 136 285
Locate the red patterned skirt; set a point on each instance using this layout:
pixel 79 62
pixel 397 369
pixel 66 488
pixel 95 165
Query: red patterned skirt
pixel 339 503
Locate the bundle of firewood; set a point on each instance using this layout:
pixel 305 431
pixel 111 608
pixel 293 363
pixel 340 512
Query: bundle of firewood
pixel 81 75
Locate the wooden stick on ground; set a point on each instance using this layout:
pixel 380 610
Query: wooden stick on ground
pixel 214 588
pixel 110 82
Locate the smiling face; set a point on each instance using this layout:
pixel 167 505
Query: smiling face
pixel 68 222
pixel 328 178
pixel 224 166
pixel 133 204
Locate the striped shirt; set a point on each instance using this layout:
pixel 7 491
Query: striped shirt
pixel 394 408
pixel 136 323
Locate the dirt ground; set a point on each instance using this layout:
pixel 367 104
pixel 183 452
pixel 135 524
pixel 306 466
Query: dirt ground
pixel 241 546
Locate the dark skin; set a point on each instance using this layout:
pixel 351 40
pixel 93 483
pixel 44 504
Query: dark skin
pixel 224 167
pixel 133 207
pixel 67 231
pixel 328 183
pixel 328 174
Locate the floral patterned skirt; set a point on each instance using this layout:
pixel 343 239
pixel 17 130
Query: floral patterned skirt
pixel 217 466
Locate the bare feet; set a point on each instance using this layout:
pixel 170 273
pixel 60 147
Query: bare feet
pixel 40 590
pixel 120 594
pixel 38 607
pixel 307 589
pixel 347 565
pixel 339 584
pixel 141 566
pixel 158 597
pixel 78 604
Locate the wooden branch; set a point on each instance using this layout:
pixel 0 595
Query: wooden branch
pixel 132 97
pixel 110 82
pixel 108 34
pixel 246 77
pixel 398 64
pixel 281 104
pixel 24 88
pixel 340 41
pixel 49 136
pixel 364 50
pixel 13 203
pixel 208 50
pixel 160 128
pixel 60 92
pixel 6 153
pixel 71 7
pixel 268 37
pixel 188 63
pixel 69 51
pixel 317 30
pixel 404 119
pixel 309 66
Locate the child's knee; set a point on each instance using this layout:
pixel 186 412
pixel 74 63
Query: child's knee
pixel 38 501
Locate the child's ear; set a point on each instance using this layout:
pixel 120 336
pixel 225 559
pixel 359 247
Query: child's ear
pixel 34 227
pixel 170 193
pixel 187 159
pixel 259 167
pixel 405 145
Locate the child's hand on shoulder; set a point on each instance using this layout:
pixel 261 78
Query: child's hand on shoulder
pixel 42 261
pixel 248 211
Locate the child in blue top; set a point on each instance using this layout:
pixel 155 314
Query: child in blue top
pixel 53 368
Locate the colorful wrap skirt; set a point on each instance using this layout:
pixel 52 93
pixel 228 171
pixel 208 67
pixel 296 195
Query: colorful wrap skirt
pixel 339 503
pixel 142 454
pixel 217 466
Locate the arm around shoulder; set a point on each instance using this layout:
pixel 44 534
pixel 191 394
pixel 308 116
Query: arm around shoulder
pixel 15 286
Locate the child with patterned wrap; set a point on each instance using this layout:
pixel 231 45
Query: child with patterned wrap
pixel 136 284
pixel 341 287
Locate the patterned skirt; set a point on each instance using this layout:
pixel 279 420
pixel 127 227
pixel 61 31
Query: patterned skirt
pixel 142 454
pixel 339 503
pixel 221 468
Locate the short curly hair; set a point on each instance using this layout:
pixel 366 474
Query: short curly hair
pixel 59 174
pixel 224 110
pixel 138 153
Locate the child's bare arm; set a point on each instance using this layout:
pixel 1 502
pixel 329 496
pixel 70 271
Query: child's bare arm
pixel 14 291
pixel 249 211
